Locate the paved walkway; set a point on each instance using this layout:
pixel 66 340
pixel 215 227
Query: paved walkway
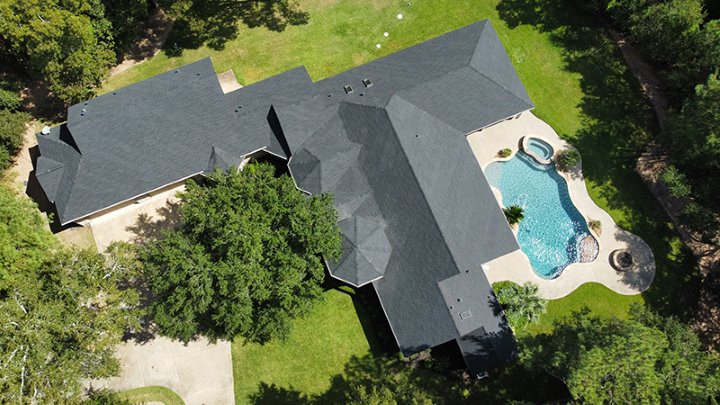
pixel 138 221
pixel 200 372
pixel 516 266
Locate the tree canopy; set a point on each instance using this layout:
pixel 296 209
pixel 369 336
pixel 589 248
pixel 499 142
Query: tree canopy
pixel 246 260
pixel 647 359
pixel 69 44
pixel 61 311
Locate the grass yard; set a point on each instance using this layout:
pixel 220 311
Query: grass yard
pixel 319 348
pixel 152 394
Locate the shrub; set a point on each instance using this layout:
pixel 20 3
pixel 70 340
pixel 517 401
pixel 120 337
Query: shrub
pixel 595 225
pixel 514 214
pixel 12 125
pixel 9 100
pixel 503 153
pixel 521 303
pixel 700 219
pixel 676 182
pixel 567 158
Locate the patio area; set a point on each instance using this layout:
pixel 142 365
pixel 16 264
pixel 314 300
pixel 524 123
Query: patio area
pixel 516 266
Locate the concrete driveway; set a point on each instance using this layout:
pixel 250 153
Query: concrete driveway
pixel 200 372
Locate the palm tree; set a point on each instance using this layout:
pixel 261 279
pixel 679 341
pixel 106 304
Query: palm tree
pixel 529 304
pixel 522 304
pixel 514 214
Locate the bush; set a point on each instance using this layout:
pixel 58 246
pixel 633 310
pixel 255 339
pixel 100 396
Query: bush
pixel 567 158
pixel 514 214
pixel 595 225
pixel 521 303
pixel 503 153
pixel 676 182
pixel 9 100
pixel 12 126
pixel 700 219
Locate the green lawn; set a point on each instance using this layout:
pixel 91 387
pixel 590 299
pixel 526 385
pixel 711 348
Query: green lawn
pixel 152 394
pixel 318 349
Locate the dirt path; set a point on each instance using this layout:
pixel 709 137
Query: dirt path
pixel 650 165
pixel 645 74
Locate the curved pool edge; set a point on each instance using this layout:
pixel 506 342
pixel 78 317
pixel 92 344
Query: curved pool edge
pixel 516 266
pixel 525 148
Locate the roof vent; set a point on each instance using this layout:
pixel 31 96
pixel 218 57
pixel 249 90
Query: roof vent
pixel 45 130
pixel 465 314
pixel 367 82
pixel 348 89
pixel 83 111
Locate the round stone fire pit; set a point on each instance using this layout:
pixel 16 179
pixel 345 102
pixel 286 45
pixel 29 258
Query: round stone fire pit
pixel 622 260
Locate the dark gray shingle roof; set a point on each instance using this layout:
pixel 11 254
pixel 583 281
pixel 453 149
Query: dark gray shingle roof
pixel 159 131
pixel 417 215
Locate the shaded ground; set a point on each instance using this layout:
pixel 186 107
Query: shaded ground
pixel 138 222
pixel 153 37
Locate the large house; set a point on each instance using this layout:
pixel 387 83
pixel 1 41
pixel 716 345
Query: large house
pixel 387 139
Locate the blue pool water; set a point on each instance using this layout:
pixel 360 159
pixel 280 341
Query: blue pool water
pixel 553 227
pixel 540 148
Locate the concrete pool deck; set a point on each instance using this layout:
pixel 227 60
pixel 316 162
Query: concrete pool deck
pixel 516 266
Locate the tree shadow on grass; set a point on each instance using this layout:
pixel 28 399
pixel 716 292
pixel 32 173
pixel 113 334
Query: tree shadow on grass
pixel 617 123
pixel 215 22
pixel 433 377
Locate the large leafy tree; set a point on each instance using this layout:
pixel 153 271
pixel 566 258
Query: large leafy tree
pixel 647 359
pixel 61 312
pixel 246 260
pixel 695 132
pixel 69 44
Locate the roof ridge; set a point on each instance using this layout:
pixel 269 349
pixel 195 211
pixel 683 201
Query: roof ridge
pixel 415 177
pixel 486 24
pixel 505 89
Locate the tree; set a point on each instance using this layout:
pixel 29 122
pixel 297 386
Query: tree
pixel 247 259
pixel 514 214
pixel 646 359
pixel 61 311
pixel 69 46
pixel 676 182
pixel 695 131
pixel 126 17
pixel 665 29
pixel 521 304
pixel 12 126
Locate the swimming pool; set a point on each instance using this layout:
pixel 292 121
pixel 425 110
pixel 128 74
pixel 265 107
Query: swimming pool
pixel 553 229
